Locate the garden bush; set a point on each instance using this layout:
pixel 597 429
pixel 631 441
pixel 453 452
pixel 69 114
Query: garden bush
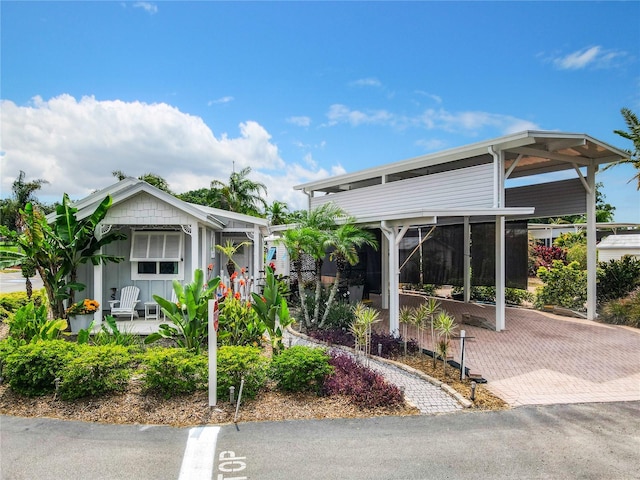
pixel 616 278
pixel 30 323
pixel 237 362
pixel 10 302
pixel 565 286
pixel 546 256
pixel 340 313
pixel 363 386
pixel 300 369
pixel 392 347
pixel 95 371
pixel 623 311
pixel 31 369
pixel 175 371
pixel 239 324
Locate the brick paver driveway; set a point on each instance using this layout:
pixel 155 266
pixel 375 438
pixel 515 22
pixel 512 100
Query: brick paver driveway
pixel 543 359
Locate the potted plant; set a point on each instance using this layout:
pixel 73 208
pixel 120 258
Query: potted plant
pixel 229 249
pixel 81 314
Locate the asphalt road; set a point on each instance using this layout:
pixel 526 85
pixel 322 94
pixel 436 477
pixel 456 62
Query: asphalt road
pixel 587 441
pixel 13 281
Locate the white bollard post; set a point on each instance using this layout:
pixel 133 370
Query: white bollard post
pixel 462 335
pixel 213 351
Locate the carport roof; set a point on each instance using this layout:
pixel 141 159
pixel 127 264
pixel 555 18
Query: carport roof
pixel 534 152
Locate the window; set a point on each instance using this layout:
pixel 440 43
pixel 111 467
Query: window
pixel 156 255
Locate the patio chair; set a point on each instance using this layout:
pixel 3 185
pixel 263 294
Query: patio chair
pixel 127 303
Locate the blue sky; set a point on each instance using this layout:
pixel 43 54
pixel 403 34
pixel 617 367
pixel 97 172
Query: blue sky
pixel 301 90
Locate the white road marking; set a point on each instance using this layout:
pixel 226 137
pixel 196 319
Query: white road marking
pixel 199 453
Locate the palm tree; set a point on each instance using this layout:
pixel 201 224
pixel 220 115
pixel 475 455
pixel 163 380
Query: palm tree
pixel 22 193
pixel 242 195
pixel 277 213
pixel 345 241
pixel 633 124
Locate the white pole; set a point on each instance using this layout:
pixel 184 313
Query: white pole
pixel 213 351
pixel 462 335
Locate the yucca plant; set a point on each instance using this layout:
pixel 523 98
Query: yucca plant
pixel 361 326
pixel 432 306
pixel 405 319
pixel 445 326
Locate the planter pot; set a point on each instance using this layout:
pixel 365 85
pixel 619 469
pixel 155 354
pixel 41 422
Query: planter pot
pixel 80 322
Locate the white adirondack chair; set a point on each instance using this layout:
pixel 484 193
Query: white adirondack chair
pixel 127 303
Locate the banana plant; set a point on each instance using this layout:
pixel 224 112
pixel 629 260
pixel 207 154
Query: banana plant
pixel 189 315
pixel 272 309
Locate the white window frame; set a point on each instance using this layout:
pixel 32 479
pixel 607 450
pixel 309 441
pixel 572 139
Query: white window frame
pixel 156 251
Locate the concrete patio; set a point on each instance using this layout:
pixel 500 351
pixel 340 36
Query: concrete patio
pixel 543 358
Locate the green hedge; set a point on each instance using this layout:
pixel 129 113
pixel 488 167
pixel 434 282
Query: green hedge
pixel 300 369
pixel 10 302
pixel 235 363
pixel 174 371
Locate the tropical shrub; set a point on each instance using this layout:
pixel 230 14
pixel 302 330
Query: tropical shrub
pixel 340 313
pixel 32 369
pixel 565 286
pixel 236 363
pixel 616 278
pixel 300 369
pixel 546 256
pixel 239 324
pixel 623 311
pixel 95 371
pixel 363 386
pixel 190 315
pixel 272 309
pixel 578 253
pixel 30 324
pixel 172 371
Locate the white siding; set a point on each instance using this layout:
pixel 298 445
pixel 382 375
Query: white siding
pixel 470 187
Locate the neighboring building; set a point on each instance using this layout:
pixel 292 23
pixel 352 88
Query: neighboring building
pixel 167 240
pixel 614 247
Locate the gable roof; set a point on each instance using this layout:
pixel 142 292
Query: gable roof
pixel 533 152
pixel 129 187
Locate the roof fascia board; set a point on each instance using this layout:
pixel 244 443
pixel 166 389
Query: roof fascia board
pixel 428 216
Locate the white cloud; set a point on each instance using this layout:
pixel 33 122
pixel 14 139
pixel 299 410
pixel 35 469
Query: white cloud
pixel 226 99
pixel 366 82
pixel 342 114
pixel 76 144
pixel 433 144
pixel 431 96
pixel 595 57
pixel 469 123
pixel 300 121
pixel 147 7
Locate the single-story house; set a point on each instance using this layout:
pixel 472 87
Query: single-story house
pixel 614 247
pixel 167 239
pixel 477 187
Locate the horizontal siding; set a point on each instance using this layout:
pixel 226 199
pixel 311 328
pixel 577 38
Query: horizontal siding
pixel 565 197
pixel 470 187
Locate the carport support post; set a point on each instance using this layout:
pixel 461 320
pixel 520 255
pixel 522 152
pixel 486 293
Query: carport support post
pixel 500 274
pixel 467 261
pixel 591 242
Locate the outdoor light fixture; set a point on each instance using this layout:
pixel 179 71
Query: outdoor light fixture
pixel 473 390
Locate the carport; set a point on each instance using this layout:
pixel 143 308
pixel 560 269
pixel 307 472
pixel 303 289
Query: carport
pixel 524 175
